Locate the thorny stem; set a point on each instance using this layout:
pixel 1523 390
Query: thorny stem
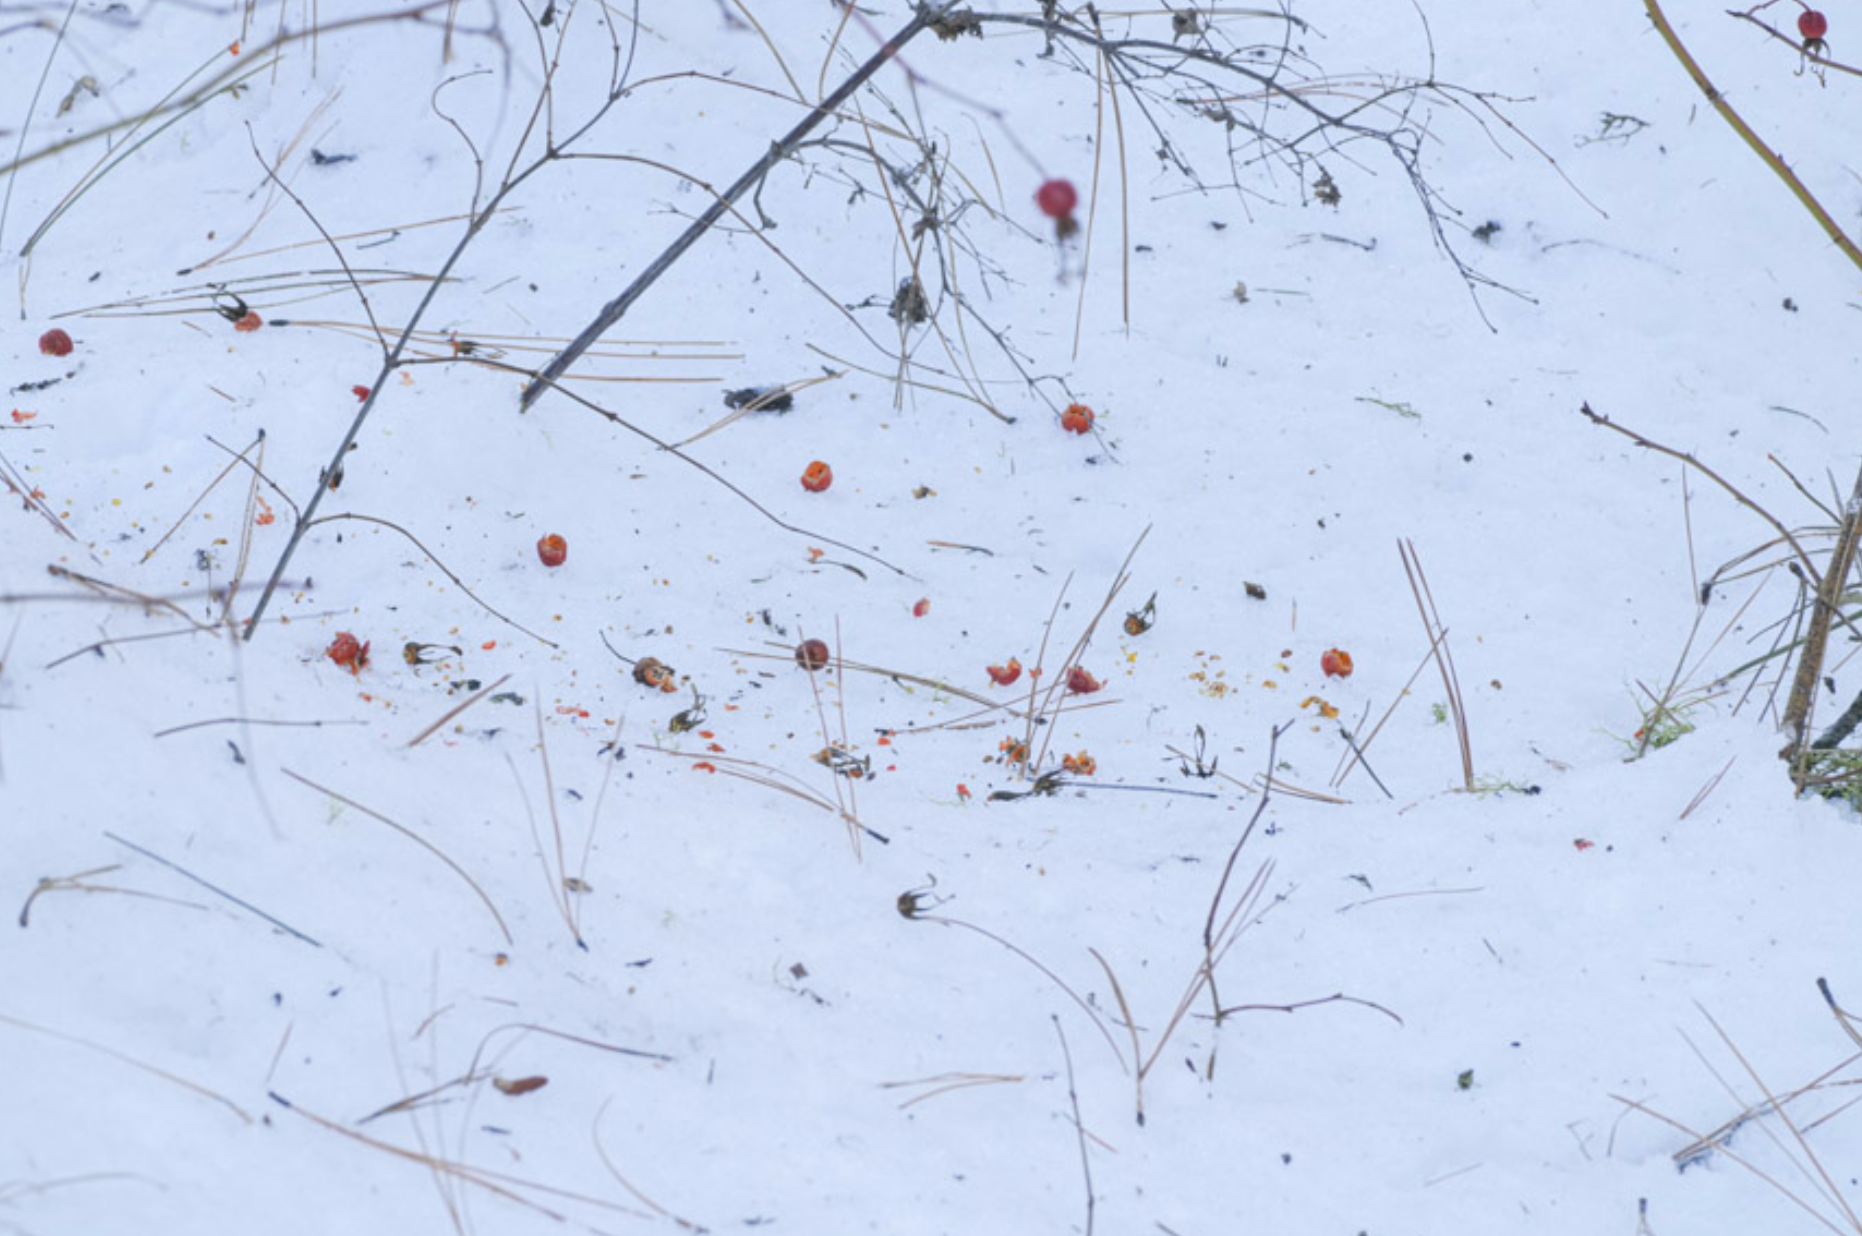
pixel 613 311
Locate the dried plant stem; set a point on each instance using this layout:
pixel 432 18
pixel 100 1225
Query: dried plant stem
pixel 779 150
pixel 1079 1127
pixel 418 840
pixel 131 1061
pixel 1797 709
pixel 1444 660
pixel 215 889
pixel 1766 154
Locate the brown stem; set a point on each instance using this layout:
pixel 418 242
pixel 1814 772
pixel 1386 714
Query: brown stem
pixel 1770 157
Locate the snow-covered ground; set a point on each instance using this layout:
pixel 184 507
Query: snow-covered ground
pixel 300 938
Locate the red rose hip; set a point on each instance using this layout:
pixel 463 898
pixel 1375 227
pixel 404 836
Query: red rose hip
pixel 1056 198
pixel 1812 25
pixel 55 343
pixel 552 550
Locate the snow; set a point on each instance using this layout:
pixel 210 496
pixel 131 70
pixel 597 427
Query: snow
pixel 751 1032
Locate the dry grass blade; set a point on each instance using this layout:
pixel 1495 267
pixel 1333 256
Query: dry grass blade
pixel 75 884
pixel 946 1083
pixel 418 840
pixel 500 1184
pixel 455 710
pixel 131 1061
pixel 1444 660
pixel 1079 1126
pixel 601 1152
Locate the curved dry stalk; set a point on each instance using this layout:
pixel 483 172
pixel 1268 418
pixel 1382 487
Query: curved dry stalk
pixel 418 840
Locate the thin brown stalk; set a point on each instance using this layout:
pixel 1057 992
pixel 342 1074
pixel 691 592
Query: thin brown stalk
pixel 1797 711
pixel 199 498
pixel 1444 659
pixel 1769 157
pixel 500 1184
pixel 131 1061
pixel 1079 1126
pixel 444 569
pixel 418 840
pixel 456 709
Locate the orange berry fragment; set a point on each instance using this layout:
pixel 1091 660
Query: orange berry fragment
pixel 1336 663
pixel 1003 675
pixel 55 343
pixel 1078 418
pixel 816 477
pixel 251 322
pixel 348 651
pixel 552 550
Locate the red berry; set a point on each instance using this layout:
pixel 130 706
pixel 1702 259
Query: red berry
pixel 922 608
pixel 552 550
pixel 360 392
pixel 251 322
pixel 1003 675
pixel 1336 663
pixel 816 477
pixel 1078 418
pixel 811 654
pixel 349 652
pixel 1812 25
pixel 1056 198
pixel 55 343
pixel 1080 682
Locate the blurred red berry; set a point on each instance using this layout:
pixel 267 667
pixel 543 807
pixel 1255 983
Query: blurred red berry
pixel 922 608
pixel 552 550
pixel 348 651
pixel 360 392
pixel 1812 25
pixel 1079 682
pixel 55 343
pixel 251 322
pixel 1336 663
pixel 816 477
pixel 1003 675
pixel 1078 418
pixel 1056 198
pixel 811 654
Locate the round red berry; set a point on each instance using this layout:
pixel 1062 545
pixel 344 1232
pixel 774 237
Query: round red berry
pixel 55 343
pixel 816 477
pixel 1057 198
pixel 251 322
pixel 1812 25
pixel 811 654
pixel 1336 663
pixel 1078 418
pixel 552 550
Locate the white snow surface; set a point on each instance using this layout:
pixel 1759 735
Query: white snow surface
pixel 1520 966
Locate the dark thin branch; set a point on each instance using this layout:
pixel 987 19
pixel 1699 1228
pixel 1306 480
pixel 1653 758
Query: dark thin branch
pixel 613 311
